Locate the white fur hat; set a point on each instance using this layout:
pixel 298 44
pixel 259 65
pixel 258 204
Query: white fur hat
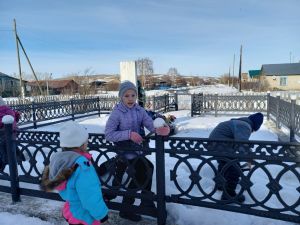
pixel 72 134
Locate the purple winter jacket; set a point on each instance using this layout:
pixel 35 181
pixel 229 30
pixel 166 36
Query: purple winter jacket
pixel 6 110
pixel 124 120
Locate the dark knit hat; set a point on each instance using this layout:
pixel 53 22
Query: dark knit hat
pixel 125 86
pixel 257 120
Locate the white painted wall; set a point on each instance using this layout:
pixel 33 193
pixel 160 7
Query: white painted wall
pixel 128 71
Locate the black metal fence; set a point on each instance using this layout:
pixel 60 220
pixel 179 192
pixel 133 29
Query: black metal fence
pixel 37 114
pixel 282 112
pixel 193 179
pixel 217 103
pixel 34 115
pixel 285 113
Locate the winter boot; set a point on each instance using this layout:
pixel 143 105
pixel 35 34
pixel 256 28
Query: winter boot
pixel 146 202
pixel 127 201
pixel 130 216
pixel 232 196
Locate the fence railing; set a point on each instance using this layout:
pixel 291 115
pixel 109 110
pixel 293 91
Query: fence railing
pixel 192 179
pixel 38 114
pixel 282 112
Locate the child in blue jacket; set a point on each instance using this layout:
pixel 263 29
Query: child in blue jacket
pixel 73 175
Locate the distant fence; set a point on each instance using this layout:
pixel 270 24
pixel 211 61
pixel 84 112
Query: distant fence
pixel 192 178
pixel 282 112
pixel 37 114
pixel 285 113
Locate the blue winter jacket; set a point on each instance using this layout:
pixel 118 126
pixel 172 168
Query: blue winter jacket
pixel 82 189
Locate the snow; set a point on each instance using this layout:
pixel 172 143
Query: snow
pixel 184 214
pixel 8 119
pixel 13 219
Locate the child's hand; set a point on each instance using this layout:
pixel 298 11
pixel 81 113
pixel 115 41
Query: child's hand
pixel 163 131
pixel 136 138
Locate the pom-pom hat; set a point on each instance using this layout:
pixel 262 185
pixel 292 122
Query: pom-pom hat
pixel 72 134
pixel 125 86
pixel 257 120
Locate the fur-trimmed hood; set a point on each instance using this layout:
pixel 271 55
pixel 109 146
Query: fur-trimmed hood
pixel 61 167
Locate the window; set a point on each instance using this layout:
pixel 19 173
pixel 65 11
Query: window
pixel 283 81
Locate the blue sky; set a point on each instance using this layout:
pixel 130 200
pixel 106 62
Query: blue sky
pixel 198 37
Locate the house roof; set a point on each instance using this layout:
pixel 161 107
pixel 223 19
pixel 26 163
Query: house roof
pixel 52 83
pixel 281 69
pixel 254 73
pixel 5 75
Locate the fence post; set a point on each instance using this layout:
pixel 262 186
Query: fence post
pixel 166 102
pixel 277 111
pixel 160 180
pixel 12 158
pixel 99 107
pixel 268 105
pixel 33 114
pixel 192 105
pixel 292 119
pixel 72 109
pixel 153 103
pixel 176 101
pixel 216 104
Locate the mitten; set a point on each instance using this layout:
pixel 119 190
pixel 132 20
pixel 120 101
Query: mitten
pixel 136 138
pixel 17 116
pixel 163 131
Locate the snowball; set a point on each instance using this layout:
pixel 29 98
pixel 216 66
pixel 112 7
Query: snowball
pixel 158 122
pixel 8 119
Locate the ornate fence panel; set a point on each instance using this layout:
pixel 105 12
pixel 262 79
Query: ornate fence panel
pixel 197 104
pixel 38 148
pixel 194 178
pixel 284 115
pixel 52 110
pixel 234 103
pixel 273 107
pixel 297 120
pixel 26 113
pixel 160 103
pixel 197 180
pixel 86 105
pixel 107 104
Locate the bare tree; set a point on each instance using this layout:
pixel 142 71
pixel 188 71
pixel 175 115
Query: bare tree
pixel 173 73
pixel 83 80
pixel 145 68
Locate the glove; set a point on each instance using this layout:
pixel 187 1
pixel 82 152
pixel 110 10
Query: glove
pixel 163 131
pixel 136 138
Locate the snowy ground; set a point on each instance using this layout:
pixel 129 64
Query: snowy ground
pixel 177 214
pixel 181 214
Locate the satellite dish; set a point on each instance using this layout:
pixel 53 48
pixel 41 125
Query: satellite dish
pixel 274 77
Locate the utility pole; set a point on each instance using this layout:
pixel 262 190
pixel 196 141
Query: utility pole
pixel 240 69
pixel 18 41
pixel 22 91
pixel 233 70
pixel 229 77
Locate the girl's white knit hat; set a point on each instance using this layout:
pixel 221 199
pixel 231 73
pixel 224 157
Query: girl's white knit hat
pixel 72 134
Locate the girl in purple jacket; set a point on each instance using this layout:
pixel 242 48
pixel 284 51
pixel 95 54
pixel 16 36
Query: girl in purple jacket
pixel 124 128
pixel 6 110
